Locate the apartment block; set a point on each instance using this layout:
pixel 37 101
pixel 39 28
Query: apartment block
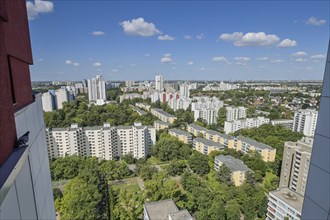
pixel 284 203
pixel 205 146
pixel 159 82
pixel 180 103
pixel 206 108
pixel 161 125
pixel 183 136
pixel 136 109
pixel 196 130
pixel 96 89
pixel 104 142
pixel 304 121
pixel 144 106
pixel 244 145
pixel 238 169
pixel 62 95
pixel 295 165
pixel 220 138
pixel 209 116
pixel 235 125
pixel 288 123
pixel 162 115
pixel 47 102
pixel 234 113
pixel 164 210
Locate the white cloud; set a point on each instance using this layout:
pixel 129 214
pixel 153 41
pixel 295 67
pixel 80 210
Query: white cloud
pixel 244 59
pixel 147 55
pixel 97 64
pixel 250 38
pixel 39 6
pixel 139 27
pixel 167 58
pixel 287 43
pixel 187 37
pixel 190 63
pixel 318 56
pixel 69 62
pixel 276 61
pixel 202 68
pixel 114 70
pixel 263 58
pixel 299 54
pixel 314 21
pixel 40 59
pixel 300 60
pixel 220 59
pixel 200 36
pixel 165 37
pixel 75 64
pixel 98 33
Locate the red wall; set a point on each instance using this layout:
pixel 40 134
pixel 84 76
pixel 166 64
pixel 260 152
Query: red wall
pixel 15 58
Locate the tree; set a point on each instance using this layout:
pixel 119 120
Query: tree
pixel 224 175
pixel 222 117
pixel 176 168
pixel 232 210
pixel 167 148
pixel 217 210
pixel 129 158
pixel 57 193
pixel 199 163
pixel 145 171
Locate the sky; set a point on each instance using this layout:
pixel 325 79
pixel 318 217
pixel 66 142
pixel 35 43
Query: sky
pixel 183 40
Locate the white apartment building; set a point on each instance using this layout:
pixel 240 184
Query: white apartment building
pixel 234 113
pixel 131 96
pixel 104 142
pixel 96 89
pixel 47 102
pixel 235 125
pixel 304 121
pixel 221 87
pixel 288 123
pixel 61 96
pixel 159 82
pixel 208 115
pixel 177 104
pixel 284 203
pixel 129 83
pixel 184 91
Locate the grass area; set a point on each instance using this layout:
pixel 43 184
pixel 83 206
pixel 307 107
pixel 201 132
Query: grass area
pixel 270 181
pixel 131 182
pixel 155 161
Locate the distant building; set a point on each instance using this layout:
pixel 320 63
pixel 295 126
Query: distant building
pixel 161 125
pixel 205 146
pixel 288 123
pixel 47 102
pixel 159 83
pixel 61 96
pixel 196 130
pixel 136 109
pixel 305 121
pixel 104 142
pixel 206 108
pixel 131 96
pixel 164 210
pixel 144 106
pixel 162 115
pixel 234 113
pixel 129 83
pixel 235 125
pixel 184 90
pixel 96 89
pixel 295 165
pixel 183 136
pixel 284 202
pixel 238 169
pixel 177 104
pixel 209 116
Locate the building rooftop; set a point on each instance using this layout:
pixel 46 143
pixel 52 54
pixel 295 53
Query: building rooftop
pixel 161 111
pixel 197 127
pixel 181 215
pixel 290 197
pixel 161 209
pixel 208 142
pixel 180 132
pixel 232 163
pixel 141 112
pixel 161 122
pixel 225 136
pixel 255 143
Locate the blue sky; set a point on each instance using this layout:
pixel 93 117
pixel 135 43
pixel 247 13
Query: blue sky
pixel 135 40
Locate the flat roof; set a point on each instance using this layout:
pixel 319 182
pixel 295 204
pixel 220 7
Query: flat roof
pixel 161 122
pixel 197 127
pixel 179 132
pixel 232 163
pixel 226 136
pixel 208 142
pixel 290 197
pixel 255 143
pixel 161 209
pixel 161 111
pixel 181 215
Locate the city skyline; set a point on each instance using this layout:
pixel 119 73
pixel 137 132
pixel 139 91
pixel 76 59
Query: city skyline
pixel 180 40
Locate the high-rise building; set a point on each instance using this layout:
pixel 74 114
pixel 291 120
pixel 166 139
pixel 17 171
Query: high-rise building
pixel 104 142
pixel 209 115
pixel 159 83
pixel 96 90
pixel 304 121
pixel 234 113
pixel 295 165
pixel 47 102
pixel 129 83
pixel 25 182
pixel 317 194
pixel 61 96
pixel 184 91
